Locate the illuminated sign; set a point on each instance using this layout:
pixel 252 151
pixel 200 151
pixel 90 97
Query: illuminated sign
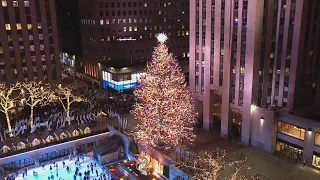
pixel 126 39
pixel 119 87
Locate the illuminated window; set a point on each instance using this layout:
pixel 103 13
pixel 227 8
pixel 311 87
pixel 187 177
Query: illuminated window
pixel 241 70
pixel 113 21
pixel 31 47
pixel 30 37
pixel 107 21
pixel 124 21
pixel 316 161
pixel 19 26
pixel 291 130
pixel 135 28
pixel 145 28
pixel 145 4
pixel 40 36
pixel 130 28
pixel 1 50
pixel 26 3
pixel 124 29
pixel 108 38
pixel 101 22
pixel 29 26
pixel 130 20
pixel 8 27
pixel 4 3
pixel 15 4
pixel 119 21
pixel 317 139
pixel 134 20
pixel 41 47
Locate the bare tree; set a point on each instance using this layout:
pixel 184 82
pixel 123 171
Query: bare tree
pixel 36 93
pixel 66 97
pixel 8 100
pixel 216 164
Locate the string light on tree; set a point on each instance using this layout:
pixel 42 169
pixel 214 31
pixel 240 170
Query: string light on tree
pixel 164 107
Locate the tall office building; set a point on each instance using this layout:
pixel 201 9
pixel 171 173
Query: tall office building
pixel 29 48
pixel 120 36
pixel 248 54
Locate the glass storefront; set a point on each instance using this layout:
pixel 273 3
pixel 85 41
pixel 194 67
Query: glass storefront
pixel 289 150
pixel 291 130
pixel 120 81
pixel 316 160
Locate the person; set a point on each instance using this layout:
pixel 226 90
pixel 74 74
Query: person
pixel 63 164
pixel 304 162
pixel 97 172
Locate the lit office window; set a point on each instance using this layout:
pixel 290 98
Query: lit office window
pixel 124 29
pixel 19 27
pixel 107 21
pixel 8 27
pixel 135 28
pixel 130 28
pixel 291 130
pixel 29 26
pixel 101 22
pixel 26 3
pixel 4 3
pixel 15 4
pixel 39 26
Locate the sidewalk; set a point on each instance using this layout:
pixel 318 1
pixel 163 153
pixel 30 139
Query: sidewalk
pixel 265 166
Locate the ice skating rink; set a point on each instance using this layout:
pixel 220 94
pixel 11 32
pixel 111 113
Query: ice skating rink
pixel 44 173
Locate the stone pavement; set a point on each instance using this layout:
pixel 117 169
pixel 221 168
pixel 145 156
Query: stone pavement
pixel 265 166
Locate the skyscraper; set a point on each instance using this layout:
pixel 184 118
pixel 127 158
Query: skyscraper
pixel 253 53
pixel 29 48
pixel 120 36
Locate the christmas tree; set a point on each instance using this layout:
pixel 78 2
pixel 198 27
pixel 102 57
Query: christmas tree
pixel 164 107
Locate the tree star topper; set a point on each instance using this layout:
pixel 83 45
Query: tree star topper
pixel 162 37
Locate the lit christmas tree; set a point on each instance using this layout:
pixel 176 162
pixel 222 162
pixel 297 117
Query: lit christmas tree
pixel 164 107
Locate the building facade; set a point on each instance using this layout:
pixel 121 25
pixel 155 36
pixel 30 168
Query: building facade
pixel 29 48
pixel 120 34
pixel 246 54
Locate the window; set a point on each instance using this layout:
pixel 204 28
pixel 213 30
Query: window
pixel 29 26
pixel 19 26
pixel 26 3
pixel 291 130
pixel 124 29
pixel 39 26
pixel 8 27
pixel 4 3
pixel 317 139
pixel 316 160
